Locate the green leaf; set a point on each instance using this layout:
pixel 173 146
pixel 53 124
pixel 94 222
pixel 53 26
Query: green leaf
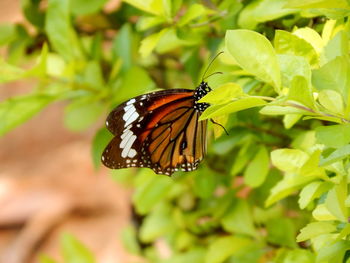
pixel 46 259
pixel 224 247
pixel 315 229
pixel 193 12
pixel 137 78
pixel 282 110
pixel 335 202
pixel 290 119
pixel 301 92
pixel 60 31
pixel 288 160
pixel 281 231
pixel 147 22
pixel 154 7
pixel 336 47
pixel 204 184
pixel 82 113
pixel 335 75
pixel 40 69
pixel 333 252
pixel 312 191
pixel 17 110
pixel 123 47
pixel 311 166
pixel 292 66
pixel 55 65
pixel 234 106
pixel 193 255
pixel 157 223
pixel 9 73
pixel 321 213
pixel 290 44
pixel 332 101
pixel 223 94
pixel 152 190
pixel 337 155
pixel 261 11
pixel 82 7
pixel 333 136
pixel 74 251
pixel 311 36
pixel 129 239
pixel 7 33
pixel 33 12
pixel 255 54
pixel 317 4
pixel 93 75
pixel 101 139
pixel 239 219
pixel 257 170
pixel 287 186
pixel 149 43
pixel 299 255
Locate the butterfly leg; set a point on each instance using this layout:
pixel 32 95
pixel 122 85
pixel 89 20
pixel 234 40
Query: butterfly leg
pixel 214 122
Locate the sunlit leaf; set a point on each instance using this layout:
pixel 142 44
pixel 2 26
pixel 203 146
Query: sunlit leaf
pixel 223 247
pixel 100 141
pixel 310 192
pixel 74 251
pixel 292 66
pixel 332 101
pixel 257 169
pixel 149 43
pixel 287 43
pixel 81 7
pixel 281 231
pixel 60 31
pixel 288 160
pixel 81 114
pixel 300 91
pixel 234 106
pixel 255 54
pixel 335 202
pixel 17 110
pixel 239 219
pixel 314 229
pixel 261 11
pixel 333 135
pixel 223 94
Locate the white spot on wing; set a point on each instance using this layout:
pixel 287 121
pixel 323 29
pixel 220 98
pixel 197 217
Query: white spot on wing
pixel 128 112
pixel 130 101
pixel 126 140
pixel 132 118
pixel 132 153
pixel 128 146
pixel 125 133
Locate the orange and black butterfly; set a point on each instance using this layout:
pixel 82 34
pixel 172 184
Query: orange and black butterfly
pixel 159 130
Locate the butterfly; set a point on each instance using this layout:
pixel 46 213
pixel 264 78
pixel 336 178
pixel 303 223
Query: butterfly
pixel 159 130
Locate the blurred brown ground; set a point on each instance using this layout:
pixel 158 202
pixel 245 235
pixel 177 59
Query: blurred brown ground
pixel 48 185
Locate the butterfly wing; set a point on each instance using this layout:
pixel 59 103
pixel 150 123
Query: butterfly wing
pixel 159 130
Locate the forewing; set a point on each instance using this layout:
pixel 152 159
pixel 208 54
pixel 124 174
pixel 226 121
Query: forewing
pixel 131 121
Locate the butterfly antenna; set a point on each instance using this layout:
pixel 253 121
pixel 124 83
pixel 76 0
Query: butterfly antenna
pixel 214 122
pixel 218 72
pixel 211 62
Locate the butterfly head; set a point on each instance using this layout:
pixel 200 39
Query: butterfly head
pixel 202 90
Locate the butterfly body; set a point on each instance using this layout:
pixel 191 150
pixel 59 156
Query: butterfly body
pixel 159 130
